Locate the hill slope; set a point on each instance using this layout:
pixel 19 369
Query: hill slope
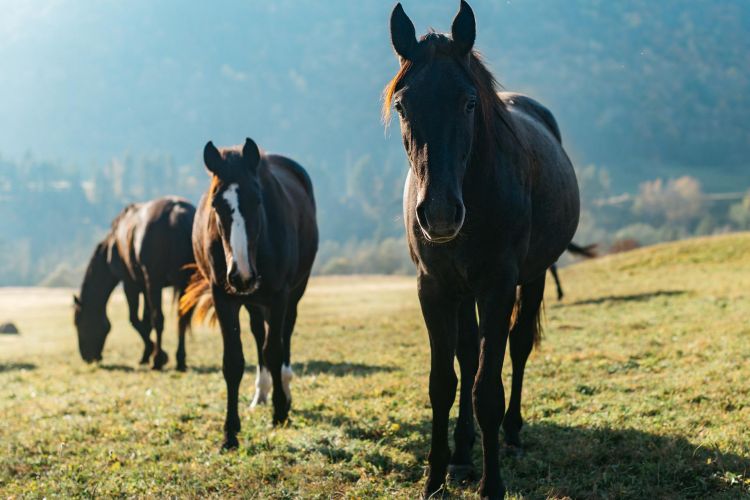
pixel 639 390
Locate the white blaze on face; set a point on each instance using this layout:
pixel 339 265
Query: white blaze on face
pixel 238 233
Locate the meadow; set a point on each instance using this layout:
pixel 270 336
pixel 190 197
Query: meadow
pixel 641 389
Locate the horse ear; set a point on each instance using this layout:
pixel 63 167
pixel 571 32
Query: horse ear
pixel 213 160
pixel 403 36
pixel 464 29
pixel 76 301
pixel 251 153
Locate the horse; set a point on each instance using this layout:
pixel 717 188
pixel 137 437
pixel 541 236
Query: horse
pixel 255 238
pixel 147 249
pixel 490 202
pixel 588 251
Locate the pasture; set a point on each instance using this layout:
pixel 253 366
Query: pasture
pixel 641 389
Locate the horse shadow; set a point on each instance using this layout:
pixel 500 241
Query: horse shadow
pixel 114 367
pixel 14 366
pixel 563 461
pixel 340 369
pixel 635 297
pixel 313 367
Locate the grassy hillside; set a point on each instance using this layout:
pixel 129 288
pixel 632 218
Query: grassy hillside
pixel 640 390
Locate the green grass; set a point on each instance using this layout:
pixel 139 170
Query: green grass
pixel 641 389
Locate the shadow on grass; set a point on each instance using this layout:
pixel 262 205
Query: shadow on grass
pixel 12 367
pixel 581 462
pixel 560 461
pixel 636 297
pixel 342 369
pixel 313 368
pixel 117 368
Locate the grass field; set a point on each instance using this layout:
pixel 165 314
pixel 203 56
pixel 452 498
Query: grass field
pixel 641 389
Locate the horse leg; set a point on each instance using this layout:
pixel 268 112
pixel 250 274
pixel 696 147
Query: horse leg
pixel 263 380
pixel 233 364
pixel 157 319
pixel 553 270
pixel 273 354
pixel 495 309
pixel 286 367
pixel 183 325
pixel 521 342
pixel 467 352
pixel 440 311
pixel 132 294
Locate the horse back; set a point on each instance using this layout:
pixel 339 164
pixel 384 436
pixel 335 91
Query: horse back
pixel 289 173
pixel 533 108
pixel 155 237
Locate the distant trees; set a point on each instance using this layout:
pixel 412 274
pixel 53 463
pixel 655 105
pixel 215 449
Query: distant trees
pixel 51 215
pixel 739 214
pixel 661 210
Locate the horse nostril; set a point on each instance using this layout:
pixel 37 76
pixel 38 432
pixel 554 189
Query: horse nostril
pixel 233 277
pixel 422 216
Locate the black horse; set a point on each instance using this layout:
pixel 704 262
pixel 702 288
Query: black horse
pixel 147 249
pixel 490 202
pixel 255 238
pixel 589 251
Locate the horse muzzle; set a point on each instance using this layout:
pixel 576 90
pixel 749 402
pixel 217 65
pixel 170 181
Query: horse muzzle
pixel 240 285
pixel 440 223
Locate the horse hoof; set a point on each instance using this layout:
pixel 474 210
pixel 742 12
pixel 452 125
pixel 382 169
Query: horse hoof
pixel 499 496
pixel 461 472
pixel 160 360
pixel 257 401
pixel 280 421
pixel 430 492
pixel 182 367
pixel 230 443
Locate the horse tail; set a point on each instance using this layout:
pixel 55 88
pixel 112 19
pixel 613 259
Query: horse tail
pixel 196 299
pixel 588 251
pixel 537 330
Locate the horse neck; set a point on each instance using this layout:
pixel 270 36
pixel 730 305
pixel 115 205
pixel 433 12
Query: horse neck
pixel 497 157
pixel 265 242
pixel 99 281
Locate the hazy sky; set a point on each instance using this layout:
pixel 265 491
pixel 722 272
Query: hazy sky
pixel 85 81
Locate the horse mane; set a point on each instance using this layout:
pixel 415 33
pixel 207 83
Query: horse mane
pixel 492 111
pixel 196 300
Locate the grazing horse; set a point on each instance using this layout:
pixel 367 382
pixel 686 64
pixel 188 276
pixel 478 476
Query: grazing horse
pixel 146 249
pixel 490 202
pixel 589 251
pixel 255 238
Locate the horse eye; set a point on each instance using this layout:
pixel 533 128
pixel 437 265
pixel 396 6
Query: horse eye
pixel 399 108
pixel 471 105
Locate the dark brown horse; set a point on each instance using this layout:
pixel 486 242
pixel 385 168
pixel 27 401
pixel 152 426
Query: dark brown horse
pixel 589 251
pixel 147 250
pixel 255 238
pixel 490 203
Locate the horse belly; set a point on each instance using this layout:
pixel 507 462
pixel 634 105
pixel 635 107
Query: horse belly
pixel 555 212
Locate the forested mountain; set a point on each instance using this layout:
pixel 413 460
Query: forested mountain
pixel 102 103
